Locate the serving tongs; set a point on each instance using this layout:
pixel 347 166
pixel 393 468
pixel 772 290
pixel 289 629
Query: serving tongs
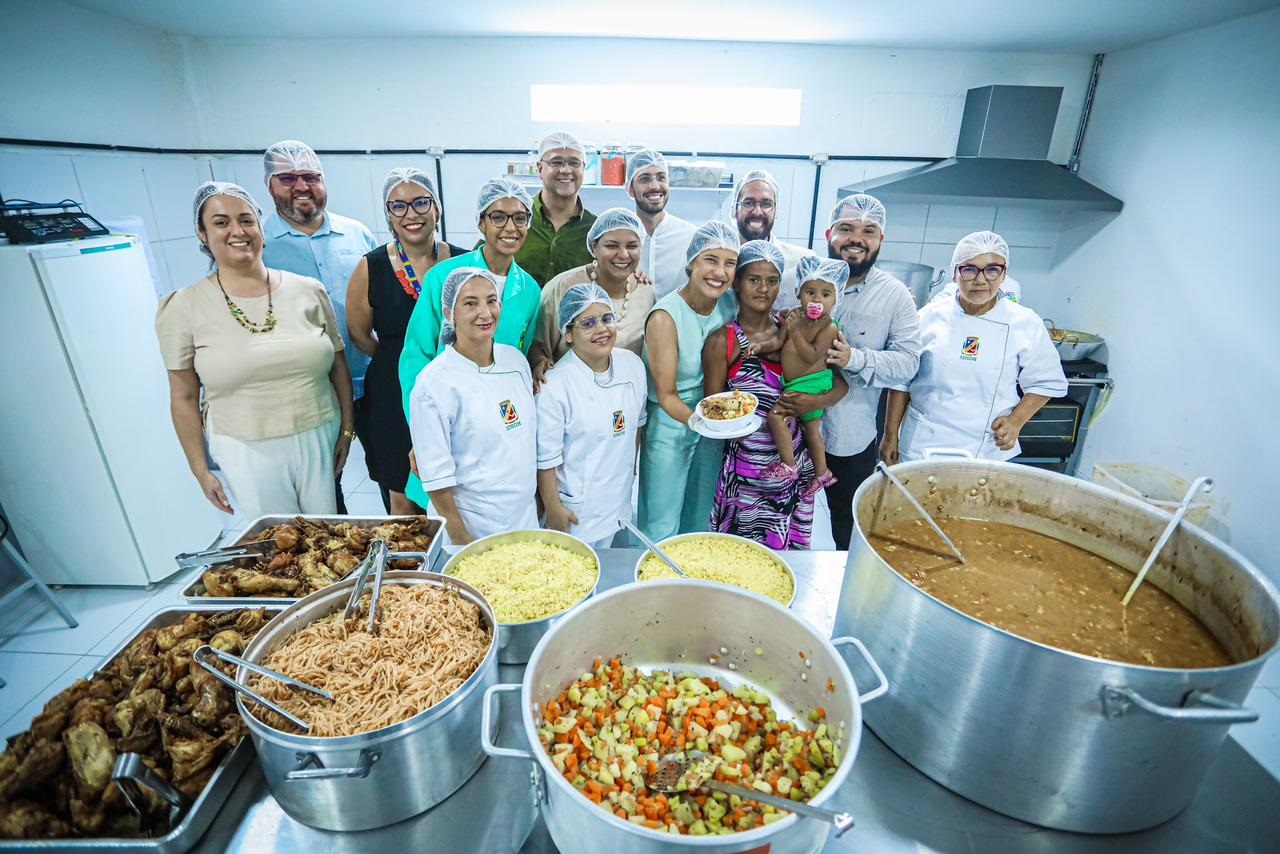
pixel 201 656
pixel 226 554
pixel 129 772
pixel 1200 484
pixel 919 508
pixel 375 562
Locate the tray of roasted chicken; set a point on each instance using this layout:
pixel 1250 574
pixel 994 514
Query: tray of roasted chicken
pixel 148 698
pixel 303 554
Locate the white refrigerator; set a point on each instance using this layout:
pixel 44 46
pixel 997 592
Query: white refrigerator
pixel 92 478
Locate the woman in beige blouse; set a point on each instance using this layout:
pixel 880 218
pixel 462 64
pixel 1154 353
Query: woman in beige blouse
pixel 614 242
pixel 260 343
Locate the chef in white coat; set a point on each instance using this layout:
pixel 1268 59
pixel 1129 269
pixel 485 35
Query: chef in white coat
pixel 473 420
pixel 591 412
pixel 667 236
pixel 978 349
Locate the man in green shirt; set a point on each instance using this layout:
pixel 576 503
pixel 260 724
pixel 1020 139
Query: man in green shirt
pixel 557 238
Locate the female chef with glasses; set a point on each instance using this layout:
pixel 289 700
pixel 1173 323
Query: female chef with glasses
pixel 979 349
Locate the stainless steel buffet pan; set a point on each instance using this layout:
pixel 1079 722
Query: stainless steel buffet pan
pixel 1051 737
pixel 517 640
pixel 195 591
pixel 683 625
pixel 372 779
pixel 764 550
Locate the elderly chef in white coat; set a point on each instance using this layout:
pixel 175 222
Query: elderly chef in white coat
pixel 472 418
pixel 590 415
pixel 978 349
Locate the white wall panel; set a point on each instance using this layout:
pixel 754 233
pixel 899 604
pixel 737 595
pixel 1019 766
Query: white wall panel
pixel 113 186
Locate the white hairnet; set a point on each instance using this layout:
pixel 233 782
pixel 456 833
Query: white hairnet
pixel 209 189
pixel 289 155
pixel 712 235
pixel 761 250
pixel 858 208
pixel 449 295
pixel 560 139
pixel 406 175
pixel 979 243
pixel 643 159
pixel 502 187
pixel 833 270
pixel 612 220
pixel 755 175
pixel 578 299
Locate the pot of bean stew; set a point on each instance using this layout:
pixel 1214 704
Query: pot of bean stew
pixel 1017 679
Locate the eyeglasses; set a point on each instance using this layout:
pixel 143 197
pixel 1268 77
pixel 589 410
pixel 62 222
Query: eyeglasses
pixel 560 163
pixel 991 272
pixel 588 323
pixel 765 205
pixel 290 178
pixel 421 205
pixel 499 219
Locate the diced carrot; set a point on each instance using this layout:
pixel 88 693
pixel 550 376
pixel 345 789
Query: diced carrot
pixel 652 824
pixel 620 813
pixel 595 665
pixel 821 712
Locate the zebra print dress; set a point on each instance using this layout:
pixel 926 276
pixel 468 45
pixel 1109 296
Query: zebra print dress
pixel 772 512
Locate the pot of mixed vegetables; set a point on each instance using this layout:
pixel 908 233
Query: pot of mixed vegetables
pixel 662 668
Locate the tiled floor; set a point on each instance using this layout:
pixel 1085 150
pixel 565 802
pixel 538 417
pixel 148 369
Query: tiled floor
pixel 39 655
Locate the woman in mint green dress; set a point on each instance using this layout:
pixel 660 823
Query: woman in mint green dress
pixel 679 468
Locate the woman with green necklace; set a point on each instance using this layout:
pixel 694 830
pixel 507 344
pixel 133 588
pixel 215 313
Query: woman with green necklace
pixel 503 212
pixel 383 291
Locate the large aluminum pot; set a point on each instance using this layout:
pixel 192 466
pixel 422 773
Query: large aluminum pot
pixel 917 277
pixel 1055 738
pixel 764 550
pixel 372 779
pixel 682 626
pixel 517 640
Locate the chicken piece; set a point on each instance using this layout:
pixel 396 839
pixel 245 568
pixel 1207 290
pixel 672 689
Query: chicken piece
pixel 49 723
pixel 192 755
pixel 93 709
pixel 193 625
pixel 145 644
pixel 27 820
pixel 88 816
pixel 91 755
pixel 228 640
pixel 251 583
pixel 250 620
pixel 138 713
pixel 287 537
pixel 212 697
pixel 218 584
pixel 187 648
pixel 42 762
pixel 192 786
pixel 342 563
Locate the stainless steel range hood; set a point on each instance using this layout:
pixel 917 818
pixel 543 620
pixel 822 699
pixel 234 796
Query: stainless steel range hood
pixel 1000 160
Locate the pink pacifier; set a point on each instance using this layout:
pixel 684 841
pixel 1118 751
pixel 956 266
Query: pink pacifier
pixel 813 310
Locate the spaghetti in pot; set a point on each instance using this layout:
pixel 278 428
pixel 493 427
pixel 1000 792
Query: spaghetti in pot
pixel 429 641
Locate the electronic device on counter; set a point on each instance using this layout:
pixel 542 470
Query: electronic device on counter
pixel 27 222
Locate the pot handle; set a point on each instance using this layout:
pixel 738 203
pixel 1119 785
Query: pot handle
pixel 1116 702
pixel 882 682
pixel 310 767
pixel 930 453
pixel 486 723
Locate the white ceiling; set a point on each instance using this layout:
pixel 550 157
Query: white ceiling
pixel 1078 26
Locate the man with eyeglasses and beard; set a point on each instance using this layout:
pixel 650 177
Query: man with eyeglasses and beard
pixel 667 236
pixel 557 239
pixel 878 346
pixel 755 208
pixel 305 238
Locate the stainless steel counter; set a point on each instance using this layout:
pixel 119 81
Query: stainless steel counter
pixel 896 807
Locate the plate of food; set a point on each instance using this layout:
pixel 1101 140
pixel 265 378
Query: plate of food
pixel 728 415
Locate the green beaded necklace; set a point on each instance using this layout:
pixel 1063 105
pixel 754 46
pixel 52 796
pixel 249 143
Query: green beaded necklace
pixel 238 313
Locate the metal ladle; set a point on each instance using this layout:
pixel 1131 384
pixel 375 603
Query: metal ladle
pixel 1200 484
pixel 653 547
pixel 672 767
pixel 919 508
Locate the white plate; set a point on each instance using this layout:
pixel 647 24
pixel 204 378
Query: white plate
pixel 749 425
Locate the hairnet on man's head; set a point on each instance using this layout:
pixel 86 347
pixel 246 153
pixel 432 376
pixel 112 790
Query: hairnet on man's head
pixel 449 297
pixel 812 268
pixel 289 155
pixel 755 175
pixel 578 299
pixel 612 220
pixel 560 139
pixel 208 190
pixel 761 250
pixel 502 187
pixel 712 235
pixel 979 243
pixel 858 208
pixel 643 159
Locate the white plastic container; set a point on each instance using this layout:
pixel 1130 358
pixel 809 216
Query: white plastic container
pixel 1154 485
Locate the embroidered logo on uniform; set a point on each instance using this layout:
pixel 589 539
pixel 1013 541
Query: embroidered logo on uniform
pixel 969 352
pixel 510 418
pixel 619 423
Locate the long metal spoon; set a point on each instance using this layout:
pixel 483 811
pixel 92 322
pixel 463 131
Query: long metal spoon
pixel 672 767
pixel 1200 484
pixel 884 469
pixel 653 547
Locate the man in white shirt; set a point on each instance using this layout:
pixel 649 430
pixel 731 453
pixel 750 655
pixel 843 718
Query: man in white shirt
pixel 879 346
pixel 755 207
pixel 662 253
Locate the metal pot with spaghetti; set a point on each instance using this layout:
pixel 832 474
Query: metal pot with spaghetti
pixel 362 703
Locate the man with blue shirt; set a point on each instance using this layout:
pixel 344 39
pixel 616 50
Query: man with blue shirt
pixel 304 238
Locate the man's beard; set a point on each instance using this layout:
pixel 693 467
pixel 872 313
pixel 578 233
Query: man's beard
pixel 289 212
pixel 857 269
pixel 742 231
